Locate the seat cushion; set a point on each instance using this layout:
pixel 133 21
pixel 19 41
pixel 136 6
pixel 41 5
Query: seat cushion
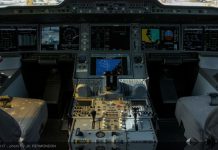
pixel 196 114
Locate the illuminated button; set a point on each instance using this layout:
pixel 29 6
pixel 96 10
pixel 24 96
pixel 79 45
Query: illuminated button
pixel 84 36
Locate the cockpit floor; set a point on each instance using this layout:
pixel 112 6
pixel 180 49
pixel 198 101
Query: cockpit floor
pixel 53 133
pixel 170 131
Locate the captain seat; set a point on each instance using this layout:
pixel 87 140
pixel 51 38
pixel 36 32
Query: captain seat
pixel 24 121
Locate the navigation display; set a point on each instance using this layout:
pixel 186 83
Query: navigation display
pixel 117 65
pixel 110 38
pixel 160 38
pixel 193 38
pixel 69 38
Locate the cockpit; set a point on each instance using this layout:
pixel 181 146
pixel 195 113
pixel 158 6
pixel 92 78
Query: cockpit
pixel 104 74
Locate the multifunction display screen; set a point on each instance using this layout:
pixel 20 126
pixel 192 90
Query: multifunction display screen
pixel 111 38
pixel 200 38
pixel 116 65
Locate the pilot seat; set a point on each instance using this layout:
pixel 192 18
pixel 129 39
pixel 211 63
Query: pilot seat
pixel 199 116
pixel 23 120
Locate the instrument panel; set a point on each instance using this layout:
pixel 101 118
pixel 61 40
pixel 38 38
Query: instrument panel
pixel 113 38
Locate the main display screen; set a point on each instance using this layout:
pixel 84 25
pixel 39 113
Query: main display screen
pixel 110 38
pixel 160 38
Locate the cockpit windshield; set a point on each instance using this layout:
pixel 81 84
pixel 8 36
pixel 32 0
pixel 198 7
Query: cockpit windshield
pixel 201 3
pixel 6 3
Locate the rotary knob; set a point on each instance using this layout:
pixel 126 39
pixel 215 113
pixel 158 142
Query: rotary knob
pixel 138 59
